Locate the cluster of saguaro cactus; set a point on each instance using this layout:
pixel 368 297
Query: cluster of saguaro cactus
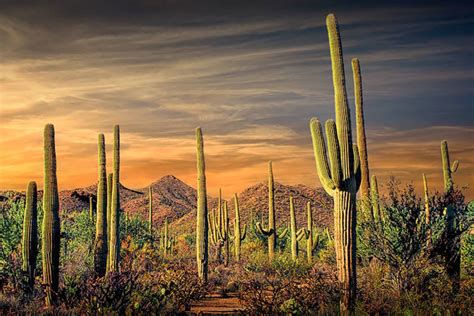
pixel 296 236
pixel 239 235
pixel 166 241
pixel 114 240
pixel 219 229
pixel 340 175
pixel 100 249
pixel 201 223
pixel 51 225
pixel 30 234
pixel 271 232
pixel 311 235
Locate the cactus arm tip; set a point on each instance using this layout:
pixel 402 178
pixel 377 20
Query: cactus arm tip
pixel 283 233
pixel 455 166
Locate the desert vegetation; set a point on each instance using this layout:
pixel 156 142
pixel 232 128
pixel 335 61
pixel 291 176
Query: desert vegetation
pixel 396 252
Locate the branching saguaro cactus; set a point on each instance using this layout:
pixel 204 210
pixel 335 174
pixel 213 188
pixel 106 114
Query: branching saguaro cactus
pixel 296 236
pixel 239 235
pixel 201 222
pixel 30 234
pixel 219 229
pixel 110 178
pixel 312 236
pixel 271 232
pixel 340 175
pixel 150 211
pixel 114 242
pixel 51 225
pixel 100 248
pixel 452 254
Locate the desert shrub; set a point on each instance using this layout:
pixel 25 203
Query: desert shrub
pixel 284 288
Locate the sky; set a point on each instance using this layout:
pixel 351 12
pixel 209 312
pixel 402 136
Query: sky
pixel 250 73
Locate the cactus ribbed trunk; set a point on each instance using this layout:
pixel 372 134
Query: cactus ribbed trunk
pixel 201 222
pixel 340 176
pixel 150 211
pixel 114 243
pixel 30 234
pixel 51 229
pixel 110 177
pixel 271 213
pixel 225 233
pixel 100 249
pixel 294 241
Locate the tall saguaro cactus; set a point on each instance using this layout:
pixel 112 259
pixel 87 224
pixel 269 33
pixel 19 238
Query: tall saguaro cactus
pixel 51 225
pixel 271 232
pixel 114 241
pixel 100 249
pixel 110 178
pixel 452 255
pixel 239 235
pixel 30 234
pixel 150 211
pixel 340 175
pixel 201 223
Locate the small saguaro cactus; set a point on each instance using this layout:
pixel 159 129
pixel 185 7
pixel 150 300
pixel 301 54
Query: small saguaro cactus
pixel 166 241
pixel 239 235
pixel 340 175
pixel 51 229
pixel 312 236
pixel 201 222
pixel 30 234
pixel 448 169
pixel 150 211
pixel 114 241
pixel 375 200
pixel 100 247
pixel 219 229
pixel 271 232
pixel 110 177
pixel 427 209
pixel 296 236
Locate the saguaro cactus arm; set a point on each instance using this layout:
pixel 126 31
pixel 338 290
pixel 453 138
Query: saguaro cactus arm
pixel 320 154
pixel 261 230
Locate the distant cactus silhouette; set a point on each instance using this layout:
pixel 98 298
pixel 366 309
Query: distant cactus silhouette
pixel 201 222
pixel 51 226
pixel 271 231
pixel 166 241
pixel 30 234
pixel 114 243
pixel 100 248
pixel 296 236
pixel 312 237
pixel 340 175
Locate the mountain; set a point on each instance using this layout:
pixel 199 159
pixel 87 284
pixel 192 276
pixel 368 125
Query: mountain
pixel 175 200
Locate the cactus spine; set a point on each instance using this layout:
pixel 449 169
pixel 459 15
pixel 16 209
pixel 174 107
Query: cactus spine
pixel 342 179
pixel 51 226
pixel 100 249
pixel 239 235
pixel 30 234
pixel 114 242
pixel 150 211
pixel 312 237
pixel 271 231
pixel 201 223
pixel 452 255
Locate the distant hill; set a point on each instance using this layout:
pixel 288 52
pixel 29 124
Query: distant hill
pixel 175 200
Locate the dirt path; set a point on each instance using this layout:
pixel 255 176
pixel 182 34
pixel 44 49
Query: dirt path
pixel 217 305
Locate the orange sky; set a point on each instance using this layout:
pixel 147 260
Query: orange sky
pixel 250 76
